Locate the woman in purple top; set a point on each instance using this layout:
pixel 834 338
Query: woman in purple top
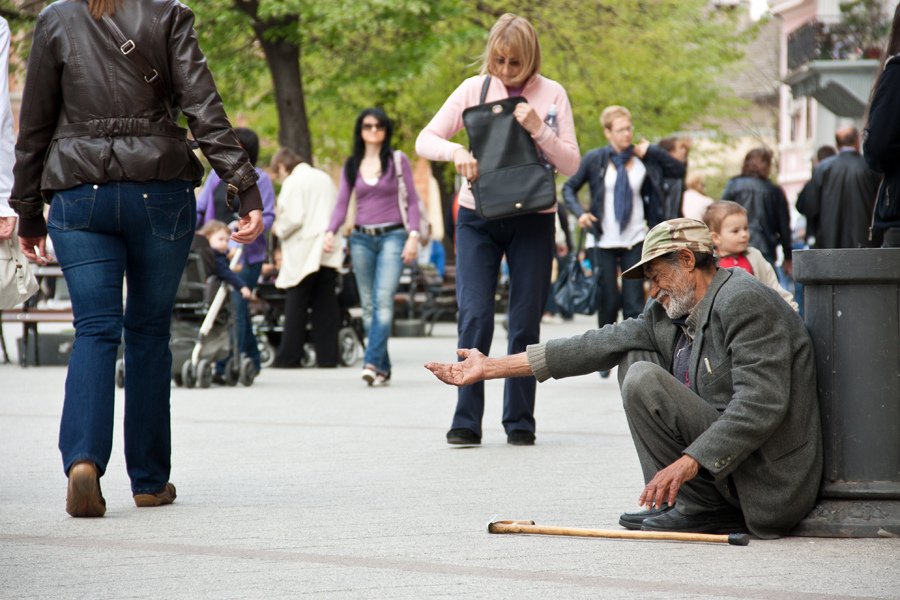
pixel 379 244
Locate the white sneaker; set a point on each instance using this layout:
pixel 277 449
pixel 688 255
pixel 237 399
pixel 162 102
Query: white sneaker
pixel 551 320
pixel 381 380
pixel 368 374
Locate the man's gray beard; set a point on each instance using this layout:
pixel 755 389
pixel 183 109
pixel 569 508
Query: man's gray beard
pixel 681 302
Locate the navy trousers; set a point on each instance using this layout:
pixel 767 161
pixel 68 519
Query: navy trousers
pixel 527 242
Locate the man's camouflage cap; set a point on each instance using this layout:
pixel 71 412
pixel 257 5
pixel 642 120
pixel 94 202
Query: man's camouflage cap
pixel 670 236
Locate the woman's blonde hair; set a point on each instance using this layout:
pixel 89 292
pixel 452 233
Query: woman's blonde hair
pixel 516 35
pixel 611 113
pixel 696 181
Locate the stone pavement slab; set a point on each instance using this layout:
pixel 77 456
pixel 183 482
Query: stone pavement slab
pixel 311 485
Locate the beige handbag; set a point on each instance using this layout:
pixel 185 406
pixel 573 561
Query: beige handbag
pixel 17 281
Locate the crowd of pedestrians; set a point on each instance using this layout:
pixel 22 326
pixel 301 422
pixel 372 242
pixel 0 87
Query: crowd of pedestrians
pixel 646 217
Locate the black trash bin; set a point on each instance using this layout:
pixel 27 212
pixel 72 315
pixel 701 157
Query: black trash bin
pixel 852 310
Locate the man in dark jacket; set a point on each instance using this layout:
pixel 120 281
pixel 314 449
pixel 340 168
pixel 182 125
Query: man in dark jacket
pixel 841 196
pixel 618 217
pixel 718 381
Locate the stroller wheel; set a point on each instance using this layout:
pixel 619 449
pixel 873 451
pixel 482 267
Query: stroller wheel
pixel 232 372
pixel 204 374
pixel 248 371
pixel 188 374
pixel 120 373
pixel 349 346
pixel 309 356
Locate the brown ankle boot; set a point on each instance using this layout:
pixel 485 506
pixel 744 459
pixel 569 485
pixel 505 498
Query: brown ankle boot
pixel 163 496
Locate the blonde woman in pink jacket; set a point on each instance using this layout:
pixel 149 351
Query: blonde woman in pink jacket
pixel 513 60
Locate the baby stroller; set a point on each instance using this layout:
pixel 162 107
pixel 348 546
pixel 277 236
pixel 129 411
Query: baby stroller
pixel 202 330
pixel 269 324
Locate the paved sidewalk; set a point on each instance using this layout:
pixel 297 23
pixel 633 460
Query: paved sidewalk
pixel 309 484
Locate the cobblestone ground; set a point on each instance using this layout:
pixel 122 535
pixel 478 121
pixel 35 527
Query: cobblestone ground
pixel 309 484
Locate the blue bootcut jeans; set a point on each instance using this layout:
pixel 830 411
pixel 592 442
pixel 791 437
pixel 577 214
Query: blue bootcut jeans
pixel 377 265
pixel 142 231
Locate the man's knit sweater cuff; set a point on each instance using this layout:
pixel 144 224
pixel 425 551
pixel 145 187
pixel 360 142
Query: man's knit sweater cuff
pixel 537 359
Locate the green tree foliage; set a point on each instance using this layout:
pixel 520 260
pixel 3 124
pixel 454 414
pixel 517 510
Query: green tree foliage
pixel 659 58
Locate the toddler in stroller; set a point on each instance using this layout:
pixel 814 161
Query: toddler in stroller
pixel 202 329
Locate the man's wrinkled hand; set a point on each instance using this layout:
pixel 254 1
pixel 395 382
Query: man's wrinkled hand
pixel 251 226
pixel 461 374
pixel 664 486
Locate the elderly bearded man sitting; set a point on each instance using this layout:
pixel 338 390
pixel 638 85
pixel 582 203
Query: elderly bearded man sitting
pixel 719 386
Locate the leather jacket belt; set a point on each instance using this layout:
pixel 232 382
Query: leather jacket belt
pixel 119 127
pixel 373 231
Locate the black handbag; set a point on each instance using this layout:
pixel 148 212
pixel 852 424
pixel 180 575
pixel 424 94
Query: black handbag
pixel 511 180
pixel 574 291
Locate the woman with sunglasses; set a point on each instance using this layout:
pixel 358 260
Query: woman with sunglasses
pixel 512 59
pixel 380 243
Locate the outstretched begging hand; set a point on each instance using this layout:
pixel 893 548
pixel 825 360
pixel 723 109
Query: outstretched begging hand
pixel 462 373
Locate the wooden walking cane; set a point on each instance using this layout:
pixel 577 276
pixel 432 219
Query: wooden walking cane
pixel 734 539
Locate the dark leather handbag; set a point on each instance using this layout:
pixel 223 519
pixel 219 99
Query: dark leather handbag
pixel 511 180
pixel 574 291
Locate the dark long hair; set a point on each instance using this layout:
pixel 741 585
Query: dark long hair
pixel 757 163
pixel 893 48
pixel 351 167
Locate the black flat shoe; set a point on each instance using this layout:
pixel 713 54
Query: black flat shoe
pixel 724 520
pixel 520 437
pixel 463 436
pixel 634 520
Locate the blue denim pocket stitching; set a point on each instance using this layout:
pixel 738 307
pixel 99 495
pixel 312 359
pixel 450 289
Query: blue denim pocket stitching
pixel 76 211
pixel 168 221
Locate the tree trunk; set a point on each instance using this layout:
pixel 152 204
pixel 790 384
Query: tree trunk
pixel 283 58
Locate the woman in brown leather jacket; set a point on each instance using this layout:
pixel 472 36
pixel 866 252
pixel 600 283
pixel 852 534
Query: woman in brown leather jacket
pixel 98 142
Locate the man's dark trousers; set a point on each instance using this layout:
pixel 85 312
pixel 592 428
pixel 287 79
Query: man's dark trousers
pixel 631 300
pixel 665 417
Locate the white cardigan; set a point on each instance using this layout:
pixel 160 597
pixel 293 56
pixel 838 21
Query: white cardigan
pixel 302 213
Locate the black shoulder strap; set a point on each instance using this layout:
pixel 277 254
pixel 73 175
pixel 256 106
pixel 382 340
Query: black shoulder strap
pixel 151 75
pixel 484 89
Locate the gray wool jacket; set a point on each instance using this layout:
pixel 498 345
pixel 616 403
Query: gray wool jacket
pixel 762 382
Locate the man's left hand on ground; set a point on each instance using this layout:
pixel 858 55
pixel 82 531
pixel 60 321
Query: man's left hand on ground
pixel 664 486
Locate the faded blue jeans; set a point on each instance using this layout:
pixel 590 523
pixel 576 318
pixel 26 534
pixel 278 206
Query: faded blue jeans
pixel 377 265
pixel 100 233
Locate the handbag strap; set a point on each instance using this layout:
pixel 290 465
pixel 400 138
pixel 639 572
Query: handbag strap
pixel 151 75
pixel 484 89
pixel 402 193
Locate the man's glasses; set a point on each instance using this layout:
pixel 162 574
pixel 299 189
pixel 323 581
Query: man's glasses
pixel 373 127
pixel 514 63
pixel 623 130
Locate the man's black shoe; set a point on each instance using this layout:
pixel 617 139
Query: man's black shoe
pixel 634 520
pixel 724 520
pixel 462 436
pixel 520 437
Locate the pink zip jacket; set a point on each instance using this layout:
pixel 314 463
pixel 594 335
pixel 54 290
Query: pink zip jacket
pixel 433 143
